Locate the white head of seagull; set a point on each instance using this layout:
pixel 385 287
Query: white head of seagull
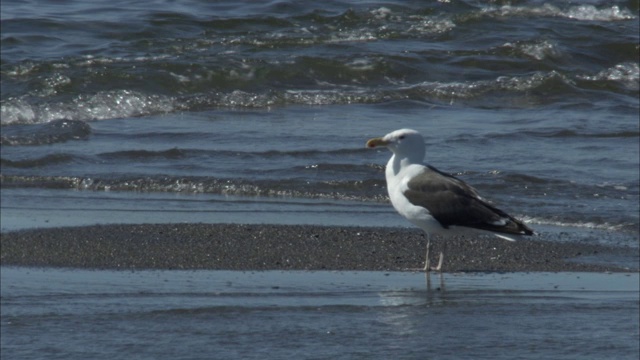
pixel 404 143
pixel 435 201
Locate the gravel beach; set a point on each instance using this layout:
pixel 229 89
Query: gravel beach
pixel 286 247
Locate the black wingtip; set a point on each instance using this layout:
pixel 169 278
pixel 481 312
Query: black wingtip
pixel 524 228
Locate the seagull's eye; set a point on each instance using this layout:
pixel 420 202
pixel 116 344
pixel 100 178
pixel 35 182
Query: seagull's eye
pixel 401 137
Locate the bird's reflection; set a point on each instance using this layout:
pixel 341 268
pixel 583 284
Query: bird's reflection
pixel 430 286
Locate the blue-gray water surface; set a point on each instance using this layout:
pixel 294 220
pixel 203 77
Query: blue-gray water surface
pixel 80 314
pixel 211 109
pixel 258 112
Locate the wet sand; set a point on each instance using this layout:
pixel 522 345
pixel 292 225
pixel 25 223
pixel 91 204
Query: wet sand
pixel 287 247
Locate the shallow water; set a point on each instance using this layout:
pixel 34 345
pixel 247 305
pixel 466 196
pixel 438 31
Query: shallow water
pixel 75 314
pixel 210 168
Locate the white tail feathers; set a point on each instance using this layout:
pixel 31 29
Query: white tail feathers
pixel 505 237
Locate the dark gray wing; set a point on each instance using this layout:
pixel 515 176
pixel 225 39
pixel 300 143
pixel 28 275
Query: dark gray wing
pixel 452 202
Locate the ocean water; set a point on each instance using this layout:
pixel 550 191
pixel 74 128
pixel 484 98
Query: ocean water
pixel 258 112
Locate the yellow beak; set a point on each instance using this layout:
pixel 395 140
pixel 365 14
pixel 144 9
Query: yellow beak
pixel 376 142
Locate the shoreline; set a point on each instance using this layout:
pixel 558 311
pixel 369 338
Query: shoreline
pixel 290 247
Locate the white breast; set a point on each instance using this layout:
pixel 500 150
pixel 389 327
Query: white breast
pixel 397 185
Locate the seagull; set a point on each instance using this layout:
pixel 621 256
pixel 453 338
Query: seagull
pixel 436 202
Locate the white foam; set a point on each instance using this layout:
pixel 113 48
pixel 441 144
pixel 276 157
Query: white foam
pixel 17 111
pixel 432 26
pixel 573 224
pixel 100 106
pixel 539 50
pixel 591 13
pixel 582 12
pixel 628 74
pixel 90 60
pixel 470 89
pixel 362 64
pixel 21 69
pixel 382 13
